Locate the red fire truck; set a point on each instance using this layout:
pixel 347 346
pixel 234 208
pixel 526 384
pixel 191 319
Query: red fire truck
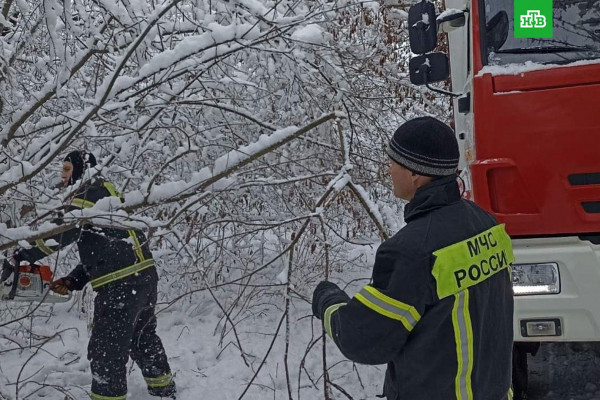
pixel 527 115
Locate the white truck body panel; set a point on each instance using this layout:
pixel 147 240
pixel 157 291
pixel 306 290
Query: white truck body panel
pixel 577 305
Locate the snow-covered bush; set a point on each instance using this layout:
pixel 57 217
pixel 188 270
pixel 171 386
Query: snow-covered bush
pixel 246 136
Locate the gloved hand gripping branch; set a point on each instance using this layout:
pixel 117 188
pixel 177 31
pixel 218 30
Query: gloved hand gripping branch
pixel 327 294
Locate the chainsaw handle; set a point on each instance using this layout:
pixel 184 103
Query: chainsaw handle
pixel 15 283
pixel 7 269
pixel 52 297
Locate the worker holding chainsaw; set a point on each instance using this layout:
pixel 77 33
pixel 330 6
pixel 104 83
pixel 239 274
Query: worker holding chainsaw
pixel 439 309
pixel 119 265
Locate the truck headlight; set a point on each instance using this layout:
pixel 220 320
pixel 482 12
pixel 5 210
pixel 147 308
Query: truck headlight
pixel 535 279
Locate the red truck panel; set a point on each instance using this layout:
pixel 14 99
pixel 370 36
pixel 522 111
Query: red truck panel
pixel 537 144
pixel 537 147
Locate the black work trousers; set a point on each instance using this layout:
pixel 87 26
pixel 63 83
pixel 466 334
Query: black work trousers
pixel 125 325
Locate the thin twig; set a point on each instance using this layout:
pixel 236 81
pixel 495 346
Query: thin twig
pixel 287 321
pixel 275 335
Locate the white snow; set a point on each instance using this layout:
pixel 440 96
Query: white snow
pixel 309 34
pixel 373 208
pixel 202 351
pixel 243 153
pixel 448 11
pixel 213 85
pixel 51 242
pixel 517 69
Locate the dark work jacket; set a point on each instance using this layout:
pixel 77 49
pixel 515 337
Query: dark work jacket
pixel 443 337
pixel 101 250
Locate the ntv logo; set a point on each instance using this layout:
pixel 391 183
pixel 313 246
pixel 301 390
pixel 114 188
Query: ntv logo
pixel 533 19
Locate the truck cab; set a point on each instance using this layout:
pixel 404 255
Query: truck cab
pixel 527 117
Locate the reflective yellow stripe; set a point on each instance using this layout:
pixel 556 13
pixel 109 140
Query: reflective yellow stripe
pixel 160 381
pixel 327 317
pixel 100 397
pixel 122 273
pixel 469 327
pixel 389 307
pixel 458 341
pixel 40 244
pixel 463 334
pixel 510 394
pixel 393 302
pixel 137 247
pixel 82 203
pixel 111 189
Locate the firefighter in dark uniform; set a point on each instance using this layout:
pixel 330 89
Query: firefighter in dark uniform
pixel 119 265
pixel 440 306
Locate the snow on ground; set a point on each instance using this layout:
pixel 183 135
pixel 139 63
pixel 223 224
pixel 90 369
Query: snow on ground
pixel 206 363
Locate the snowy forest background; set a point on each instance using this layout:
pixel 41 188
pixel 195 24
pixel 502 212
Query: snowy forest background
pixel 247 137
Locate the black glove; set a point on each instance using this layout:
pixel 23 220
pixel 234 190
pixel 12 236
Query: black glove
pixel 327 294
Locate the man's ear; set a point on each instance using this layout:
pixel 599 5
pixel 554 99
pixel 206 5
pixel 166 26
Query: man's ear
pixel 420 180
pixel 414 176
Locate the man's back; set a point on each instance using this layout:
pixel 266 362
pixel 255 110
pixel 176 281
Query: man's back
pixel 440 306
pixel 444 335
pixel 461 346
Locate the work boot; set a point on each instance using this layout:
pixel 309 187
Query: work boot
pixel 166 392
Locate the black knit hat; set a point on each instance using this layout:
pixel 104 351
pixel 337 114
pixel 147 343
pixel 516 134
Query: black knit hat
pixel 80 160
pixel 426 147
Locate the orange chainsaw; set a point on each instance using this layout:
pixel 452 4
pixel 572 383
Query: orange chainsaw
pixel 29 283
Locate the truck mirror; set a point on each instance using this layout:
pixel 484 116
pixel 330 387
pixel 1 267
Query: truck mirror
pixel 422 28
pixel 496 31
pixel 450 20
pixel 428 68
